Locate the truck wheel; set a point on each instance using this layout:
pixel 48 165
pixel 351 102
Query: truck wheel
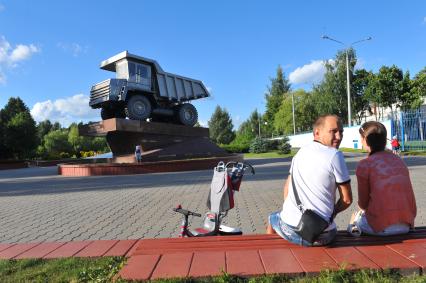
pixel 138 108
pixel 187 114
pixel 107 113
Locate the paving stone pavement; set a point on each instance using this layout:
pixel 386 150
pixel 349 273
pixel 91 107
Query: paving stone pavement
pixel 37 205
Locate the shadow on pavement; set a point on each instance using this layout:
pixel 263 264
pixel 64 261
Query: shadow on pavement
pixel 45 181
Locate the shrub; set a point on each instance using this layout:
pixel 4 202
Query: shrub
pixel 258 145
pixel 236 147
pixel 64 155
pixel 284 147
pixel 272 144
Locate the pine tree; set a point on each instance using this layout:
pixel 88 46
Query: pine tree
pixel 220 126
pixel 274 97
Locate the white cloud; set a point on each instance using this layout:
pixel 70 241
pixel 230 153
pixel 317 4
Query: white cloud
pixel 2 78
pixel 23 52
pixel 424 20
pixel 74 48
pixel 203 123
pixel 10 57
pixel 65 110
pixel 2 8
pixel 308 74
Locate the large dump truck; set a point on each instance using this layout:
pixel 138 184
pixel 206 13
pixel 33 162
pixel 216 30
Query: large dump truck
pixel 142 90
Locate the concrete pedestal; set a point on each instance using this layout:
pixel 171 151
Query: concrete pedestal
pixel 159 141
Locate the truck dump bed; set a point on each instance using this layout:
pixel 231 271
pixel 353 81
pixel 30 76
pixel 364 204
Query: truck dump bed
pixel 179 88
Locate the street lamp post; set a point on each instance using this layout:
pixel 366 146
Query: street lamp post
pixel 292 106
pixel 348 84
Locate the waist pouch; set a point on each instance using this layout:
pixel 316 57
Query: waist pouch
pixel 311 225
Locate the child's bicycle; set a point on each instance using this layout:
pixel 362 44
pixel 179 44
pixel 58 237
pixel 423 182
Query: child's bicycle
pixel 226 179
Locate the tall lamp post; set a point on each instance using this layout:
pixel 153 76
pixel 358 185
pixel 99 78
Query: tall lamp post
pixel 292 107
pixel 348 84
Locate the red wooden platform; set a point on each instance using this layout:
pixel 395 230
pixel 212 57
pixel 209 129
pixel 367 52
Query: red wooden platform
pixel 254 255
pixel 249 255
pixel 67 249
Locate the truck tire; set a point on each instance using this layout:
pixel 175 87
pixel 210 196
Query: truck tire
pixel 187 114
pixel 107 113
pixel 138 108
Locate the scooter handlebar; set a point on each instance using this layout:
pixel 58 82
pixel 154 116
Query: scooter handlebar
pixel 186 212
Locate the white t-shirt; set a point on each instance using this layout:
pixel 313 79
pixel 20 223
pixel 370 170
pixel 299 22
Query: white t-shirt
pixel 316 169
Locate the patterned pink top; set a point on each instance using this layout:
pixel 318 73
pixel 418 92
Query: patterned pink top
pixel 385 191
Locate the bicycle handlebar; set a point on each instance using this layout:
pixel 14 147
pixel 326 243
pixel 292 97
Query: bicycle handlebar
pixel 186 212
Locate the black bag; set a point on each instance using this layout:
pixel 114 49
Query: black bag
pixel 311 225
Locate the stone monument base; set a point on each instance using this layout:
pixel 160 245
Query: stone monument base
pixel 165 148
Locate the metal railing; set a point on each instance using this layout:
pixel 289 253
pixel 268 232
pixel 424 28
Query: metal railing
pixel 410 128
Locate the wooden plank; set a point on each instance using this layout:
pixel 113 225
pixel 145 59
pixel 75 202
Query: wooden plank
pixel 132 250
pixel 16 250
pixel 386 258
pixel 208 264
pixel 173 265
pixel 68 250
pixel 176 245
pixel 96 249
pixel 139 267
pixel 41 250
pixel 350 258
pixel 414 252
pixel 314 259
pixel 244 263
pixel 121 248
pixel 280 261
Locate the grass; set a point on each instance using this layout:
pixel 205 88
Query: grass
pixel 60 270
pixel 270 154
pixel 105 269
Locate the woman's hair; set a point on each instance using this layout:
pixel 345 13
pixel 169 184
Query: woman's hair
pixel 374 134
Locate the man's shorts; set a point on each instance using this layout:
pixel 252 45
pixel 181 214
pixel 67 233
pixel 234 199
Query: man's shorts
pixel 361 226
pixel 288 232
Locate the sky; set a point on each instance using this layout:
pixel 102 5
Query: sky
pixel 50 51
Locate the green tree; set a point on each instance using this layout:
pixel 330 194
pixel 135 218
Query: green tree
pixel 304 112
pixel 417 90
pixel 274 97
pixel 43 128
pixel 75 140
pixel 330 95
pixel 360 104
pixel 221 127
pixel 21 135
pixel 389 85
pixel 56 142
pixel 249 128
pixel 17 130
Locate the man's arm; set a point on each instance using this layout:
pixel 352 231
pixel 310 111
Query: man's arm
pixel 345 199
pixel 286 185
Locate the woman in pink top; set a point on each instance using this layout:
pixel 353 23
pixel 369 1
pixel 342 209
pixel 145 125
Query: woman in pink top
pixel 385 194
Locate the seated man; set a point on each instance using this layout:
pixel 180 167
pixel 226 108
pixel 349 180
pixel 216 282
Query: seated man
pixel 318 169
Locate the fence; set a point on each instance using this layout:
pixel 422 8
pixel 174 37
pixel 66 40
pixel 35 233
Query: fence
pixel 410 128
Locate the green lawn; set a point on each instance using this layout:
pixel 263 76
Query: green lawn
pixel 60 270
pixel 270 154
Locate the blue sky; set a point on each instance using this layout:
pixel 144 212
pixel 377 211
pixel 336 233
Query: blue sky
pixel 50 51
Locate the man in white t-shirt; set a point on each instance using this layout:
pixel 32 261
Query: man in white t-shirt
pixel 318 170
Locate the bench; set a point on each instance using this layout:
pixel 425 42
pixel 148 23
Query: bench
pixel 253 255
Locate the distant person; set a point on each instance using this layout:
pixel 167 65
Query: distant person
pixel 385 194
pixel 138 153
pixel 395 145
pixel 317 171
